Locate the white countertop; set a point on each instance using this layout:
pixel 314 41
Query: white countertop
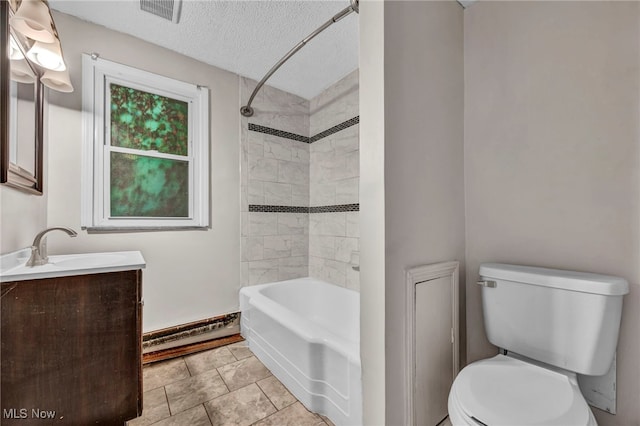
pixel 13 268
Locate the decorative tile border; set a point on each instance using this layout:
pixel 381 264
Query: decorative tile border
pixel 335 129
pixel 279 133
pixel 335 208
pixel 305 139
pixel 277 209
pixel 298 209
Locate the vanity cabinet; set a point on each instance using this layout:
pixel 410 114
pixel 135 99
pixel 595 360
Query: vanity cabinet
pixel 72 349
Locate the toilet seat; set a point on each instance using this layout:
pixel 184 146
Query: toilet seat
pixel 506 391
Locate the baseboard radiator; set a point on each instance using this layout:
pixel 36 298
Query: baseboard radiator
pixel 193 332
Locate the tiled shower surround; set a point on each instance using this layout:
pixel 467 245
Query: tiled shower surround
pixel 300 170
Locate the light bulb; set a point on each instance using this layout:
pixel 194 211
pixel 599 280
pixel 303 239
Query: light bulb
pixel 48 60
pixel 47 55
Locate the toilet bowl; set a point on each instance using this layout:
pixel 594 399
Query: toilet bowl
pixel 507 391
pixel 552 325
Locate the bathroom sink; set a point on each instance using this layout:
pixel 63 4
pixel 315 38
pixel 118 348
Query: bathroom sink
pixel 93 260
pixel 13 266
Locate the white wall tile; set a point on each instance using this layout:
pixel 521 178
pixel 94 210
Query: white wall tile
pixel 265 169
pixel 244 274
pixel 323 194
pixel 262 224
pixel 353 224
pixel 293 223
pixel 328 224
pixel 263 271
pixel 280 171
pixel 322 145
pixel 344 248
pixel 252 248
pixel 334 104
pixel 300 195
pixel 328 166
pixel 278 148
pixel 283 111
pixel 300 152
pixel 244 198
pixel 256 192
pixel 244 223
pixel 279 246
pixel 353 164
pixel 346 140
pixel 322 246
pixel 278 194
pixel 316 267
pixel 255 144
pixel 291 272
pixel 294 261
pixel 335 272
pixel 292 172
pixel 353 279
pixel 347 191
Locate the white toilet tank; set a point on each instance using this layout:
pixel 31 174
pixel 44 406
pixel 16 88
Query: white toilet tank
pixel 563 318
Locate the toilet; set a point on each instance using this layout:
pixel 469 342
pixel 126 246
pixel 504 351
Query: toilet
pixel 550 325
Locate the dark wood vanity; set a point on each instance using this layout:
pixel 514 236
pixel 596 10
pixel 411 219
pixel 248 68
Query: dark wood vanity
pixel 71 350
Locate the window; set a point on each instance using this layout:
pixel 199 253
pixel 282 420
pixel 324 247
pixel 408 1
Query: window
pixel 146 156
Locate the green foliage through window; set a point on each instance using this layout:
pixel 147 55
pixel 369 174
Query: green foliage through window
pixel 145 121
pixel 144 186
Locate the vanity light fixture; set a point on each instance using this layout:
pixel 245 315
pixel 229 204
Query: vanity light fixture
pixel 21 72
pixel 34 21
pixel 15 53
pixel 47 55
pixel 57 80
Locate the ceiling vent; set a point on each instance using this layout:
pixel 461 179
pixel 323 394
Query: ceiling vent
pixel 166 9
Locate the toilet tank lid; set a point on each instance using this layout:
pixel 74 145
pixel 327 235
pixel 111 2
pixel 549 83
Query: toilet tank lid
pixel 557 278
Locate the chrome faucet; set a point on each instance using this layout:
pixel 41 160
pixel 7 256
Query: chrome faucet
pixel 39 246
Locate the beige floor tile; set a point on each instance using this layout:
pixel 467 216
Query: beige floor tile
pixel 196 416
pixel 155 408
pixel 209 360
pixel 162 373
pixel 242 407
pixel 189 392
pixel 241 373
pixel 240 350
pixel 293 415
pixel 276 392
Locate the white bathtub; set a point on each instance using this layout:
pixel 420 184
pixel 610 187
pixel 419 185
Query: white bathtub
pixel 307 332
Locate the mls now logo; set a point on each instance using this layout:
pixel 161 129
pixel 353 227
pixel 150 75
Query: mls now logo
pixel 23 413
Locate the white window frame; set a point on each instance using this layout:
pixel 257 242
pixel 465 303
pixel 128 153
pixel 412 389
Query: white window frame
pixel 97 74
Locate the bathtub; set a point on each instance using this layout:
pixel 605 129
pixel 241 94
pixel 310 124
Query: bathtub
pixel 307 332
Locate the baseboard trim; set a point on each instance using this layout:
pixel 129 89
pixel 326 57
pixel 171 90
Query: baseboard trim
pixel 191 333
pixel 178 351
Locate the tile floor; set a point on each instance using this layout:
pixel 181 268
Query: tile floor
pixel 222 386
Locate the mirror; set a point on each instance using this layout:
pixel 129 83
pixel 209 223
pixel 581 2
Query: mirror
pixel 21 101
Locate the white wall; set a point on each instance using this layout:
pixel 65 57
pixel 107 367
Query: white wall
pixel 22 216
pixel 423 153
pixel 372 233
pixel 190 275
pixel 552 106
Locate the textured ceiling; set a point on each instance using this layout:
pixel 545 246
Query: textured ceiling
pixel 245 37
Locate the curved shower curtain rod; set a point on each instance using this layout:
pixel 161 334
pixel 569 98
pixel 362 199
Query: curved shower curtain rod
pixel 246 110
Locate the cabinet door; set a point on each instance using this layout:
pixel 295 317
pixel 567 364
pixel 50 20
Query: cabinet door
pixel 71 349
pixel 434 360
